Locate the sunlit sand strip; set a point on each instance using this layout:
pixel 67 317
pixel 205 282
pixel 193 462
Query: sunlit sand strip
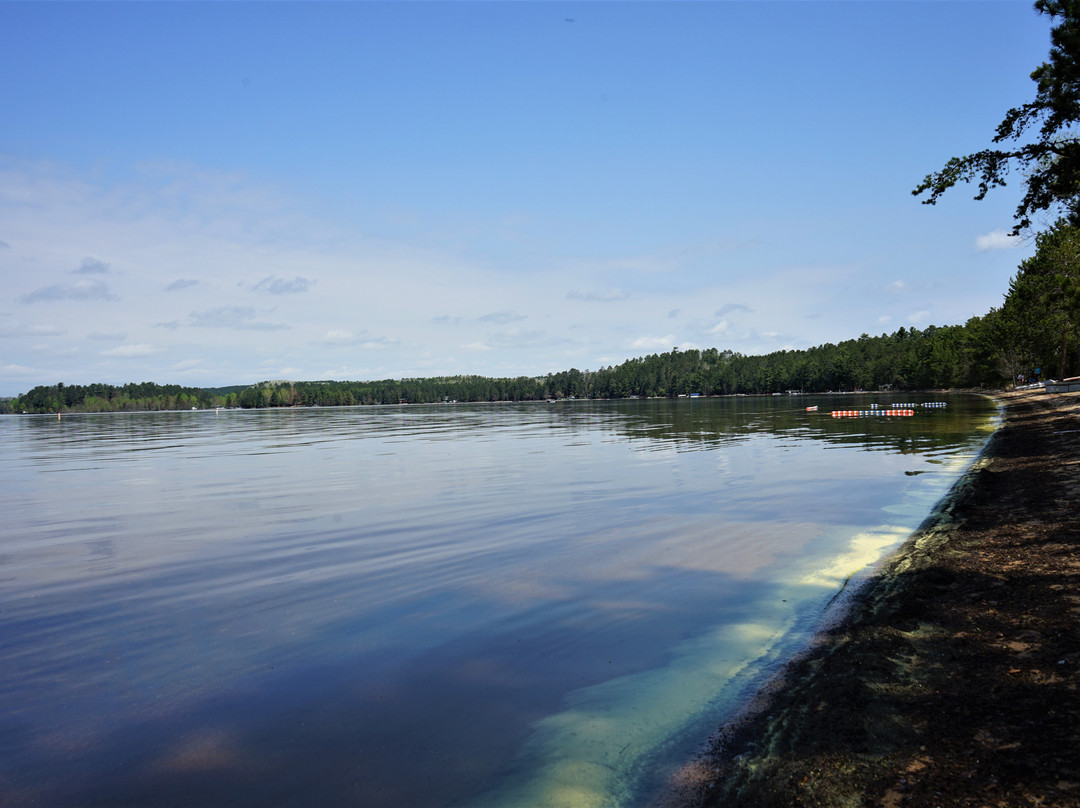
pixel 869 547
pixel 593 754
pixel 865 549
pixel 589 752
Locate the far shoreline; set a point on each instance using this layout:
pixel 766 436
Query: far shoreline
pixel 562 400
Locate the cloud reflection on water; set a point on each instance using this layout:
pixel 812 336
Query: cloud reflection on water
pixel 307 606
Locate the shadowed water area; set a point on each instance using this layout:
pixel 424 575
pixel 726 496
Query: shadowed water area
pixel 462 605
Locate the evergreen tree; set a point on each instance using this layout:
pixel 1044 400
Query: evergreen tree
pixel 1050 161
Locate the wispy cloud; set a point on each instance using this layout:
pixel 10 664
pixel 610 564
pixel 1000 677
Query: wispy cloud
pixel 380 343
pixel 514 337
pixel 118 336
pixel 273 285
pixel 241 318
pixel 501 317
pixel 662 344
pixel 996 240
pixel 53 350
pixel 361 339
pixel 340 337
pixel 20 371
pixel 733 308
pixel 918 317
pixel 91 266
pixel 181 283
pixel 653 343
pixel 598 295
pixel 79 290
pixel 140 349
pixel 36 330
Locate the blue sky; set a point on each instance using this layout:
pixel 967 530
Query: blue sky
pixel 221 193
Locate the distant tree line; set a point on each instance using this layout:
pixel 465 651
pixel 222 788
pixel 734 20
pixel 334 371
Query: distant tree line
pixel 975 355
pixel 908 359
pixel 109 398
pixel 1037 328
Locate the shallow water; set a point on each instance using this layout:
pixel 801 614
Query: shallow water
pixel 461 605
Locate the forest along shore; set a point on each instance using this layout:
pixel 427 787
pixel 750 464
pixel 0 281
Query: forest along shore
pixel 954 678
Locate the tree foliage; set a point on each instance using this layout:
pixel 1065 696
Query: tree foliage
pixel 1042 308
pixel 98 397
pixel 1047 150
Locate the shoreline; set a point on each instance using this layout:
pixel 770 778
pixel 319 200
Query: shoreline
pixel 953 677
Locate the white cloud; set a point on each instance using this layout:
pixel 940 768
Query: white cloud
pixel 919 317
pixel 52 349
pixel 653 343
pixel 996 240
pixel 18 370
pixel 501 317
pixel 37 330
pixel 477 347
pixel 45 330
pixel 598 295
pixel 140 349
pixel 361 339
pixel 720 328
pixel 350 373
pixel 339 337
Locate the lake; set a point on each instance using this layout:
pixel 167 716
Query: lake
pixel 477 605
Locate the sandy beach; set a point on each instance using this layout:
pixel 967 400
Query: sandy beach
pixel 952 681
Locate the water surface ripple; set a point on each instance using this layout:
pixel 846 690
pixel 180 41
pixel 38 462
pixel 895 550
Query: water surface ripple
pixel 462 605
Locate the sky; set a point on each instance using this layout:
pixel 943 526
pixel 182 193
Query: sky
pixel 217 193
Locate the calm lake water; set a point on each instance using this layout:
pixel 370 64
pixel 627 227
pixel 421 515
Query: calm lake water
pixel 463 605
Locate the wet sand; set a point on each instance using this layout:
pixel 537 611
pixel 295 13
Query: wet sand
pixel 953 680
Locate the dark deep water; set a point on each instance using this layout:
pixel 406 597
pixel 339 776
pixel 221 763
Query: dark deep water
pixel 462 605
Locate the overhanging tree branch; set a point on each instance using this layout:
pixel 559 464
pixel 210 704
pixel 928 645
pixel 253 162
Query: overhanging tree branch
pixel 1051 164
